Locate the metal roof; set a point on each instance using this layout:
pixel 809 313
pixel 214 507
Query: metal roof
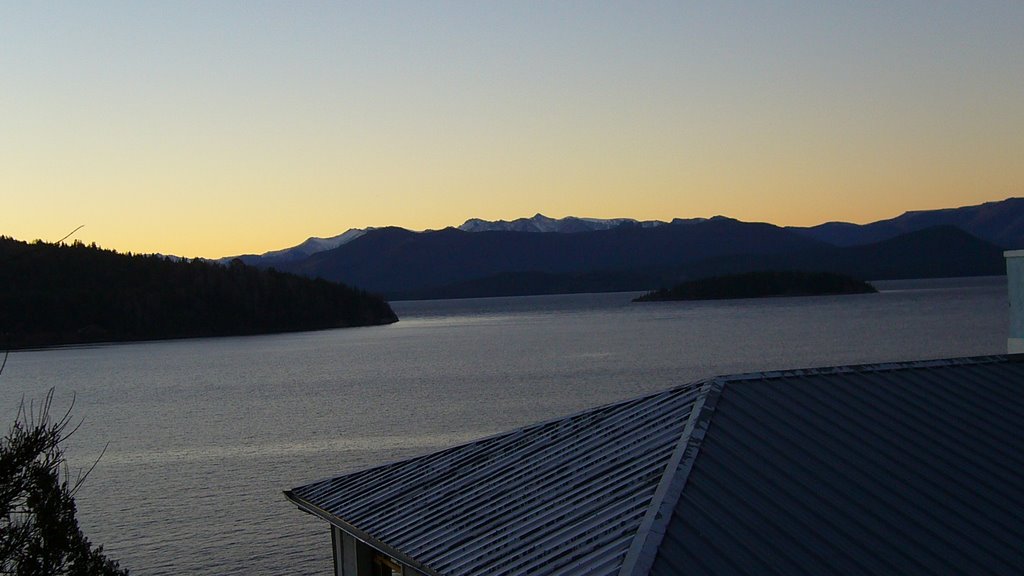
pixel 912 468
pixel 899 469
pixel 565 496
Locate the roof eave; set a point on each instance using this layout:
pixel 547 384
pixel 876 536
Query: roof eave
pixel 402 557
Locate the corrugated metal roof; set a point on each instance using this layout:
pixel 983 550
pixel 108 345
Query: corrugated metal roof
pixel 912 468
pixel 566 496
pixel 900 469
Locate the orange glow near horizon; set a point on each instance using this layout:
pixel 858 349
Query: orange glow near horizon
pixel 161 133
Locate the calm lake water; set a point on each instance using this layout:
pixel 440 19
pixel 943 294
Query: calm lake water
pixel 203 435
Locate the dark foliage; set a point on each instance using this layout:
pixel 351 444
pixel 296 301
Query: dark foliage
pixel 761 284
pixel 39 534
pixel 64 294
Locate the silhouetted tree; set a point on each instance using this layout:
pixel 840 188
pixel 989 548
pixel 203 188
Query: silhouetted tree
pixel 39 533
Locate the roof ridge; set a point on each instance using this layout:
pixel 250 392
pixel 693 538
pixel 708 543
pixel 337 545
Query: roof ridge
pixel 644 548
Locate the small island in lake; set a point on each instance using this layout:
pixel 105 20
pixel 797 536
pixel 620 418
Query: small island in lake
pixel 761 285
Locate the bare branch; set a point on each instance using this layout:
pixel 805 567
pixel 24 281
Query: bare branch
pixel 70 234
pixel 39 533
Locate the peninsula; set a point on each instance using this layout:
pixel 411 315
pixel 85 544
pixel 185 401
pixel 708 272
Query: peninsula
pixel 54 294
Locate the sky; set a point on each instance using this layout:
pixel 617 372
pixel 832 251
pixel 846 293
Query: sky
pixel 217 128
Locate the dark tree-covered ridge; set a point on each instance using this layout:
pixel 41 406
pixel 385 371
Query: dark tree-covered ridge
pixel 761 284
pixel 53 294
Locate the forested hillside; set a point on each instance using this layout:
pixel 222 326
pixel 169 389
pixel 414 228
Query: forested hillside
pixel 67 294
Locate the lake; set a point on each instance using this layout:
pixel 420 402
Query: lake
pixel 203 435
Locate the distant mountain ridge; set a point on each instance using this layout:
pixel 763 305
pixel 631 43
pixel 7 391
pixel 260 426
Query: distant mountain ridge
pixel 1000 222
pixel 543 224
pixel 541 255
pixel 397 261
pixel 539 223
pixel 309 247
pixel 451 263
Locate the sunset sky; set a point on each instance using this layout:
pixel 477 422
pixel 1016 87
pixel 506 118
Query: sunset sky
pixel 219 128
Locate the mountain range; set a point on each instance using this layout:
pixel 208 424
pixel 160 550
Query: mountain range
pixel 544 255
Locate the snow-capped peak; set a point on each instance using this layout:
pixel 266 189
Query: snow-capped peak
pixel 542 223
